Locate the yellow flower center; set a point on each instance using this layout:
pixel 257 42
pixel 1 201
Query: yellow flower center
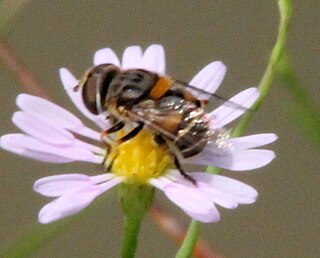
pixel 139 158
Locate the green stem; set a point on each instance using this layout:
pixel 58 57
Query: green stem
pixel 190 240
pixel 285 9
pixel 131 231
pixel 136 201
pixel 303 110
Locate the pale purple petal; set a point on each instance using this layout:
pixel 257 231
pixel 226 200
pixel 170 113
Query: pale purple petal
pixel 57 185
pixel 186 196
pixel 236 161
pixel 53 186
pixel 214 195
pixel 252 141
pixel 7 144
pixel 75 95
pixel 74 201
pixel 89 133
pixel 68 204
pixel 70 84
pixel 132 58
pixel 90 147
pixel 223 199
pixel 52 132
pixel 229 112
pixel 211 216
pixel 228 146
pixel 44 130
pixel 210 77
pixel 190 198
pixel 69 81
pixel 98 179
pixel 32 148
pixel 240 192
pixel 154 59
pixel 105 56
pixel 48 111
pixel 52 113
pixel 114 180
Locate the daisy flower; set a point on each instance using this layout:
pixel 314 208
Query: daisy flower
pixel 51 134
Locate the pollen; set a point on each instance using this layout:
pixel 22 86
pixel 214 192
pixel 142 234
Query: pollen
pixel 139 158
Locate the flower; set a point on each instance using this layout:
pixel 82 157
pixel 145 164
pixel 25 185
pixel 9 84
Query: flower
pixel 50 134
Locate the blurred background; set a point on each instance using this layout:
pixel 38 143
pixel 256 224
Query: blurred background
pixel 47 35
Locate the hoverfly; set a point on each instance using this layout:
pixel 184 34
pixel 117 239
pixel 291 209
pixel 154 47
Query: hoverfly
pixel 166 106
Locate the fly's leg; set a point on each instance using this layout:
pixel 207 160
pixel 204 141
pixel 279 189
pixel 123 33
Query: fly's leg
pixel 159 140
pixel 182 172
pixel 176 154
pixel 110 163
pixel 112 153
pixel 105 134
pixel 117 127
pixel 132 133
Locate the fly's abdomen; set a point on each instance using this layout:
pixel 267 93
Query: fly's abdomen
pixel 193 133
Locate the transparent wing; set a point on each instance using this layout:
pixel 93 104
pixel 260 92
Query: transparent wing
pixel 172 113
pixel 161 118
pixel 204 95
pixel 165 121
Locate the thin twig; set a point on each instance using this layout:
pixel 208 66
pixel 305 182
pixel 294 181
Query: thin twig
pixel 22 74
pixel 177 232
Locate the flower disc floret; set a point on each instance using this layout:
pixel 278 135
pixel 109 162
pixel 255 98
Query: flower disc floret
pixel 140 159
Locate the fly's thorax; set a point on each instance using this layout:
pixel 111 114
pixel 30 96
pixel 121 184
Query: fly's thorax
pixel 131 87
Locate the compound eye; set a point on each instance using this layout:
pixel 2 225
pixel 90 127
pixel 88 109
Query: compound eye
pixel 89 94
pixel 96 85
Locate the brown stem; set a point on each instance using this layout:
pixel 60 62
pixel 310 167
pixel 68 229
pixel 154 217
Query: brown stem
pixel 22 74
pixel 177 232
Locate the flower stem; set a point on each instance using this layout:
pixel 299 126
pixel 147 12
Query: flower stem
pixel 131 230
pixel 285 9
pixel 303 109
pixel 136 201
pixel 190 240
